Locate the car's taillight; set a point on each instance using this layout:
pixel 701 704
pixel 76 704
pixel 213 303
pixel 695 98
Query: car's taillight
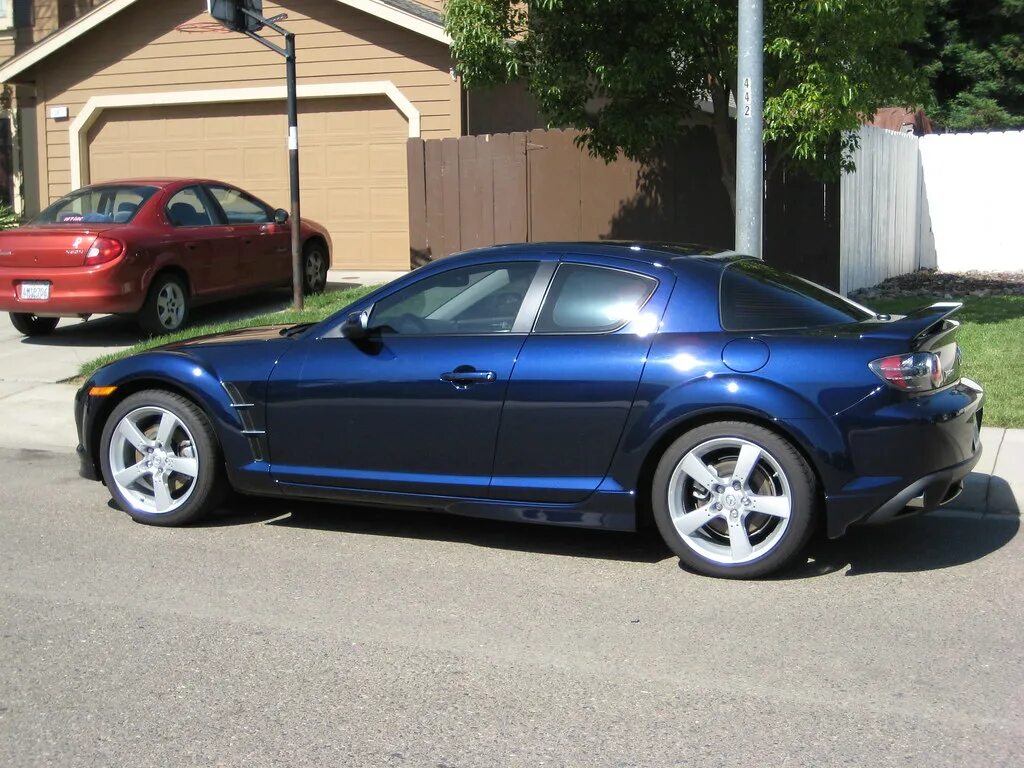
pixel 912 372
pixel 103 250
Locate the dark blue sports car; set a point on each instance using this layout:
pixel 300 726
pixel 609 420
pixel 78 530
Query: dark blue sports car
pixel 597 385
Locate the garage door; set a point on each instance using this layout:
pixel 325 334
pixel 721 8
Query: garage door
pixel 352 161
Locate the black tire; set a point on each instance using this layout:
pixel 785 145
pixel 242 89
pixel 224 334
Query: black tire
pixel 782 538
pixel 314 268
pixel 28 324
pixel 209 485
pixel 167 306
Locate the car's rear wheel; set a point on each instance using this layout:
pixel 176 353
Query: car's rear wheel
pixel 160 459
pixel 33 325
pixel 167 306
pixel 734 499
pixel 314 268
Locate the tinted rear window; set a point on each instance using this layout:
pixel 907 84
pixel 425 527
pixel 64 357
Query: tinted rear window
pixel 756 297
pixel 113 204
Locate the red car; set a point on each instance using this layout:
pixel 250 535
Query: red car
pixel 152 248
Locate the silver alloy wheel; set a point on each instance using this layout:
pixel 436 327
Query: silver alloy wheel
pixel 153 460
pixel 170 306
pixel 316 276
pixel 730 500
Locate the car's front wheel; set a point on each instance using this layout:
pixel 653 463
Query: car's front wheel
pixel 160 459
pixel 734 499
pixel 28 324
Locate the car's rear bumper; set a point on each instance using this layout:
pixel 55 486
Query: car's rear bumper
pixel 73 290
pixel 908 457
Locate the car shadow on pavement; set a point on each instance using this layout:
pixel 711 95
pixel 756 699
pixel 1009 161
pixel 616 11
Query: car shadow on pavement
pixel 436 526
pixel 926 543
pixel 114 330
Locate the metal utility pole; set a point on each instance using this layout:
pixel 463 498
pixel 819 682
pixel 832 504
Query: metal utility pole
pixel 293 140
pixel 750 128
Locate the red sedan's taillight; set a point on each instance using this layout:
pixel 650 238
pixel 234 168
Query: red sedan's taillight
pixel 103 250
pixel 913 372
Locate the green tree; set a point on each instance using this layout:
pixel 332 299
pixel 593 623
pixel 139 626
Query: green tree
pixel 973 56
pixel 631 75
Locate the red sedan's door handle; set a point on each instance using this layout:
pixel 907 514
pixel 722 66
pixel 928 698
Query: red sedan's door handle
pixel 464 376
pixel 192 246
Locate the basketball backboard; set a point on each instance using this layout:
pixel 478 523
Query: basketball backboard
pixel 229 13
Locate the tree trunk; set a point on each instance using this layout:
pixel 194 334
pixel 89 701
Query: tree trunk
pixel 724 128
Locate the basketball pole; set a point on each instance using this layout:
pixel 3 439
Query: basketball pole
pixel 293 171
pixel 293 141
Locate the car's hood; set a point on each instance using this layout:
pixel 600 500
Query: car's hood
pixel 241 336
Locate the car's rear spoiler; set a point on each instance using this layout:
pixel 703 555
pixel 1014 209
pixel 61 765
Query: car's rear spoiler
pixel 919 325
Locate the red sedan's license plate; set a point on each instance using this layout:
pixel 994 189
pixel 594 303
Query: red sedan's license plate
pixel 34 291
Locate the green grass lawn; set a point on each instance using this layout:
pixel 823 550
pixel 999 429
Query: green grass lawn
pixel 992 339
pixel 316 308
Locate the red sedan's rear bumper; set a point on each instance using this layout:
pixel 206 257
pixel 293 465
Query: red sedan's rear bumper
pixel 73 290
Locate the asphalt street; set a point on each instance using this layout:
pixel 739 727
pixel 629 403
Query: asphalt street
pixel 284 634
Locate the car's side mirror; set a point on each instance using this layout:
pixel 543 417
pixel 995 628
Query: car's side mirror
pixel 356 326
pixel 280 216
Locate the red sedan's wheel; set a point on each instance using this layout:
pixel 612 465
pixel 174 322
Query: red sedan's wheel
pixel 314 268
pixel 166 309
pixel 33 325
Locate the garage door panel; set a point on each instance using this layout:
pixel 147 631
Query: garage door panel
pixel 385 206
pixel 352 157
pixel 388 160
pixel 345 162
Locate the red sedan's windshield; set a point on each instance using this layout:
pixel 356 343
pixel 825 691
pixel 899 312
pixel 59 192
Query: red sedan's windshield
pixel 112 204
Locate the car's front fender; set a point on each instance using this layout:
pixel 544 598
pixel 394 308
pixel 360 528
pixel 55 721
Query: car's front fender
pixel 239 431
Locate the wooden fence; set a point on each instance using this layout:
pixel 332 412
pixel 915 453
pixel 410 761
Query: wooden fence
pixel 539 186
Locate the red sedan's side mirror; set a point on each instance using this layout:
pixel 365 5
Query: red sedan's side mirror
pixel 280 216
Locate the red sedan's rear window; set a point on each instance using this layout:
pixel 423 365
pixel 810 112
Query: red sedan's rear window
pixel 109 204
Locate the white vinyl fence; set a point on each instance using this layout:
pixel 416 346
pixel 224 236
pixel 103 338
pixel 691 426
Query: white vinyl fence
pixel 951 201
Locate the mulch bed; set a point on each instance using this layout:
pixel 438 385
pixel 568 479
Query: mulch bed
pixel 949 285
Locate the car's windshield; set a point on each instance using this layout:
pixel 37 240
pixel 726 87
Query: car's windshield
pixel 108 204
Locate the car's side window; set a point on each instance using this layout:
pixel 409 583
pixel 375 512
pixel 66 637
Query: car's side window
pixel 187 208
pixel 590 299
pixel 240 208
pixel 483 298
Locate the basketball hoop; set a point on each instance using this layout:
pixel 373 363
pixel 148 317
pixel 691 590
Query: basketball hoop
pixel 237 15
pixel 201 27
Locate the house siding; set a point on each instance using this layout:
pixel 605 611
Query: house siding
pixel 141 51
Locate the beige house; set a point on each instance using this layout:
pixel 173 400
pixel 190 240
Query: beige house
pixel 153 88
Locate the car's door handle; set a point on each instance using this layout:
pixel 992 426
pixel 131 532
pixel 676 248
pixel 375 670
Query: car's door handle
pixel 466 375
pixel 192 246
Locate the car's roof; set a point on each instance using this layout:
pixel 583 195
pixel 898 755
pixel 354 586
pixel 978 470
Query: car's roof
pixel 158 181
pixel 637 250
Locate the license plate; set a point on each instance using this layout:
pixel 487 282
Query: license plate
pixel 34 291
